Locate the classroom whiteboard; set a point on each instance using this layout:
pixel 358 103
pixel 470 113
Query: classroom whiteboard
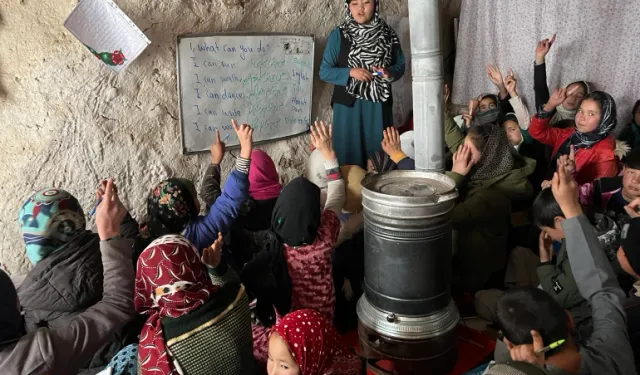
pixel 264 80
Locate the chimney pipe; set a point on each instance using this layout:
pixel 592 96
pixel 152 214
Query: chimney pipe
pixel 428 83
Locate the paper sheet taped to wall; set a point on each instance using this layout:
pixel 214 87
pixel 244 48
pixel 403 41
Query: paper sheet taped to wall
pixel 264 80
pixel 107 33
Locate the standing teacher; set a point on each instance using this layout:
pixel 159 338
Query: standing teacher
pixel 362 58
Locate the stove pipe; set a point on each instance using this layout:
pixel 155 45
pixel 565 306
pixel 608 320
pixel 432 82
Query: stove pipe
pixel 428 82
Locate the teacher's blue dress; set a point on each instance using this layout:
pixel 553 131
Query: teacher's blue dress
pixel 357 130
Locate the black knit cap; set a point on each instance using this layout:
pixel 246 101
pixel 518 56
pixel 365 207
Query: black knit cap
pixel 630 243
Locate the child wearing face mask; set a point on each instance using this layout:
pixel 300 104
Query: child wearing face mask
pixel 591 138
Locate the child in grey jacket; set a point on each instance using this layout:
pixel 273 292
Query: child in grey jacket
pixel 61 351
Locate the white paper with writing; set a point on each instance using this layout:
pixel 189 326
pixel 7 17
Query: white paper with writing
pixel 109 35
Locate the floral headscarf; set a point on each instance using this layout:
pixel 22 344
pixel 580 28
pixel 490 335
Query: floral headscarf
pixel 49 219
pixel 171 281
pixel 171 206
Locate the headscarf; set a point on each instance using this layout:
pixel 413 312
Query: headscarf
pixel 296 215
pixel 353 176
pixel 264 182
pixel 171 206
pixel 171 281
pixel 568 114
pixel 295 221
pixel 497 157
pixel 607 123
pixel 371 45
pixel 316 172
pixel 314 344
pixel 407 143
pixel 382 162
pixel 10 318
pixel 49 219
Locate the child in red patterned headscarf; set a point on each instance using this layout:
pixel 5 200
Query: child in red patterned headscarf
pixel 174 288
pixel 305 343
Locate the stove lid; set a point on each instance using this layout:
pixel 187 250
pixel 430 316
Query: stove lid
pixel 410 187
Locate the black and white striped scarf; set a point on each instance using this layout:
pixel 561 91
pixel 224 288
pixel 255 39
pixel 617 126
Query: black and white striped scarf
pixel 371 45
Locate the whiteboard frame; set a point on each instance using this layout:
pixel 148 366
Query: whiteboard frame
pixel 239 33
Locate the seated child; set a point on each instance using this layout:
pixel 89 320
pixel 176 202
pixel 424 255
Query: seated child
pixel 173 206
pixel 305 343
pixel 610 195
pixel 532 319
pixel 554 271
pixel 65 349
pixel 194 305
pixel 293 271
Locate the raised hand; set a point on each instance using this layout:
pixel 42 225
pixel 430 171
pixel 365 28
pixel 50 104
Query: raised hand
pixel 633 208
pixel 545 246
pixel 391 141
pixel 102 188
pixel 361 74
pixel 110 212
pixel 543 49
pixel 494 75
pixel 212 255
pixel 558 96
pixel 462 162
pixel 511 83
pixel 468 117
pixel 217 150
pixel 245 136
pixel 565 190
pixel 568 162
pixel 321 138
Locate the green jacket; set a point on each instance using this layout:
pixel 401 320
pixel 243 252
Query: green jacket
pixel 556 278
pixel 481 217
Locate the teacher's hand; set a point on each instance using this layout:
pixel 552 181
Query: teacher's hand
pixel 361 74
pixel 385 72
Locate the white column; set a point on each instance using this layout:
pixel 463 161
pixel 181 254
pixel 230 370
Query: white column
pixel 428 82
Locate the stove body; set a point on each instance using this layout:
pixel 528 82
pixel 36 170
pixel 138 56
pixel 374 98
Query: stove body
pixel 406 313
